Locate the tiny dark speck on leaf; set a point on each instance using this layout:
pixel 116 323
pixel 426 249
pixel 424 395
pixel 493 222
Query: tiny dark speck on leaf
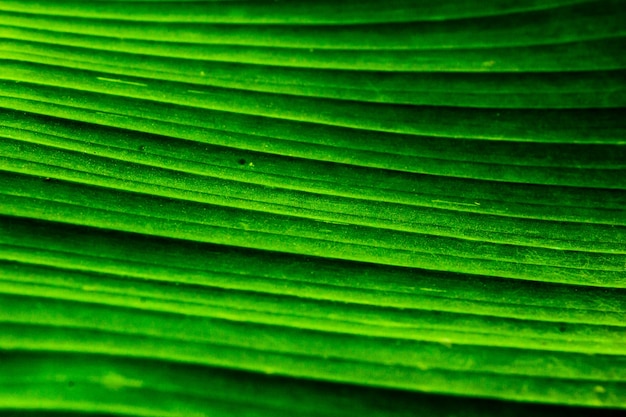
pixel 242 161
pixel 142 148
pixel 562 328
pixel 70 384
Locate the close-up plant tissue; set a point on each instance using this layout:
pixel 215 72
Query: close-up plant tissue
pixel 298 208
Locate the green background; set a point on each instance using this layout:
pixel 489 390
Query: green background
pixel 298 208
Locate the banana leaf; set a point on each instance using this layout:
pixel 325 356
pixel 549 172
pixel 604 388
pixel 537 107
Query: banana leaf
pixel 312 208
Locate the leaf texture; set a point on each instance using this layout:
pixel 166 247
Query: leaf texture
pixel 255 208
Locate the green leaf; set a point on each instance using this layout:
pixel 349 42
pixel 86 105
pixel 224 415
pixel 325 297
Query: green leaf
pixel 227 208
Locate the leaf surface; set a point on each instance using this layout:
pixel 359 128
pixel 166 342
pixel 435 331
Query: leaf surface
pixel 228 208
